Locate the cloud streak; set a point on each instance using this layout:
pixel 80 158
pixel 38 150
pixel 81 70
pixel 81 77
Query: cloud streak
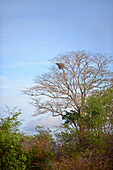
pixel 25 64
pixel 4 80
pixel 8 84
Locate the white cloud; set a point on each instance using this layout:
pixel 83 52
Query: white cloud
pixel 47 121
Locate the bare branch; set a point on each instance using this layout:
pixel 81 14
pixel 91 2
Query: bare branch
pixel 68 85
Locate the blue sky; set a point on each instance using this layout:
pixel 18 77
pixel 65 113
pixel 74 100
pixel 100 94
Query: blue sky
pixel 34 31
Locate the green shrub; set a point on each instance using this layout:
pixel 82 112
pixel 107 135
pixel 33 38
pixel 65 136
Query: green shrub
pixel 11 154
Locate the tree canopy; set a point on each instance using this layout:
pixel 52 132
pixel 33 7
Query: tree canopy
pixel 72 77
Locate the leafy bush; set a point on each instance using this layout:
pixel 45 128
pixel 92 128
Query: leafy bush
pixel 11 155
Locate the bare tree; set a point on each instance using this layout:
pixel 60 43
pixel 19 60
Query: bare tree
pixel 68 83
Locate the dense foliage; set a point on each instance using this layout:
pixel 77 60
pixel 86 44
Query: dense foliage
pixel 11 154
pixel 87 146
pixel 92 139
pixel 18 151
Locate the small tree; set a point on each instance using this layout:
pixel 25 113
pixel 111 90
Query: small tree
pixel 70 80
pixel 96 141
pixel 98 117
pixel 99 108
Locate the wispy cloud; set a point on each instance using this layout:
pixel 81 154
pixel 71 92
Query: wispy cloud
pixel 4 79
pixel 25 64
pixel 7 83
